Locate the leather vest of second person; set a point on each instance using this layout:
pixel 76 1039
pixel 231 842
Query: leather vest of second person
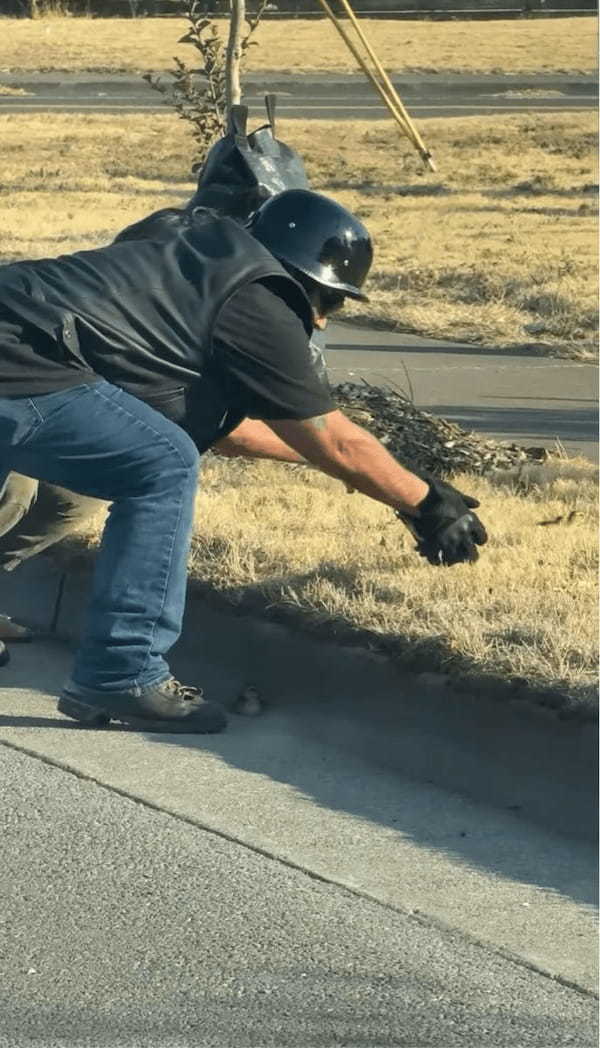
pixel 142 312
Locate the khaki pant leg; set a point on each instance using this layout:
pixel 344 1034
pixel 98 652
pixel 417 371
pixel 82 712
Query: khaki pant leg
pixel 31 524
pixel 17 496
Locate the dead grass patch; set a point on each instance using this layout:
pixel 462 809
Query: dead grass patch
pixel 303 46
pixel 289 543
pixel 498 248
pixel 12 91
pixel 469 251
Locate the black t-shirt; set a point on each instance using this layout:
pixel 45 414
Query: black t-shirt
pixel 261 367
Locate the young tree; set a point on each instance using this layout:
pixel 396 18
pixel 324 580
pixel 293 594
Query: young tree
pixel 234 54
pixel 204 94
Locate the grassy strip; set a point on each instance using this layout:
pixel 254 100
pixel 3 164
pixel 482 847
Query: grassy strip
pixel 289 543
pixel 498 248
pixel 301 46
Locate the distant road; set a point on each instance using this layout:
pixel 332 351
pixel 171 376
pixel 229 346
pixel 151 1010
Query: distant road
pixel 514 396
pixel 315 96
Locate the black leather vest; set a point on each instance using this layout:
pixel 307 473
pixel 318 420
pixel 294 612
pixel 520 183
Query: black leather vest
pixel 142 312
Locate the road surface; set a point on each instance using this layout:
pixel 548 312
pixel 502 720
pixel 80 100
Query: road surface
pixel 314 96
pixel 523 398
pixel 273 886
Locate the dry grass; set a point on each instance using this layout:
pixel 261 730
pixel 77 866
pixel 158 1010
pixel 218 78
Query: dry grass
pixel 479 249
pixel 126 45
pixel 498 248
pixel 290 543
pixel 12 91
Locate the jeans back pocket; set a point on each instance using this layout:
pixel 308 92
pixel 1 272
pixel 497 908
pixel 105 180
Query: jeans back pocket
pixel 19 420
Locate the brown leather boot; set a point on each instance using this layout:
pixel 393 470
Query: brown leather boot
pixel 167 706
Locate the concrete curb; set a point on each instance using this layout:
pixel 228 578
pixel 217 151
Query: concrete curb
pixel 510 754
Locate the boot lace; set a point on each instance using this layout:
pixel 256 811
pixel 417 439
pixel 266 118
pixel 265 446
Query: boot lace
pixel 184 691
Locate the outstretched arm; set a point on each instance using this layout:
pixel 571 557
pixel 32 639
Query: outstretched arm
pixel 438 516
pixel 334 445
pixel 344 450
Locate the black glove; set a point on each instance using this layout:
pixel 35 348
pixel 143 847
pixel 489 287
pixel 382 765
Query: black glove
pixel 446 531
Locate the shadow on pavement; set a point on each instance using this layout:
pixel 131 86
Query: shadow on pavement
pixel 328 789
pixel 348 735
pixel 277 747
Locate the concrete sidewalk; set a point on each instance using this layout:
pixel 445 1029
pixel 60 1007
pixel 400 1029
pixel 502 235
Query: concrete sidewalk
pixel 128 927
pixel 271 886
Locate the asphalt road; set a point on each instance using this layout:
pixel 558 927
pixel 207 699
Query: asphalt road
pixel 315 96
pixel 519 397
pixel 271 887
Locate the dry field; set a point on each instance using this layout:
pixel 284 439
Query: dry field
pixel 526 610
pixel 467 251
pixel 290 543
pixel 497 248
pixel 300 46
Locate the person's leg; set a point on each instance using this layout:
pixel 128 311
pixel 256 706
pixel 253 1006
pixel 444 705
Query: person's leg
pixel 17 496
pixel 34 517
pixel 101 442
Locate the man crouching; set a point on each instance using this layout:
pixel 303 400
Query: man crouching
pixel 121 366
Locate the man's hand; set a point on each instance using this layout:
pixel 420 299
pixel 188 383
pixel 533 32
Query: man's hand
pixel 446 530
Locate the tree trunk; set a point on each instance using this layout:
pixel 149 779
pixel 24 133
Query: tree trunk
pixel 234 53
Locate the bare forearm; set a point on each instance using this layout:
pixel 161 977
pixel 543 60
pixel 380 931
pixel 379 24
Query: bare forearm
pixel 254 439
pixel 363 463
pixel 336 446
pixel 346 451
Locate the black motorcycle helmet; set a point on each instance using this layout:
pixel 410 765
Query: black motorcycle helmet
pixel 316 237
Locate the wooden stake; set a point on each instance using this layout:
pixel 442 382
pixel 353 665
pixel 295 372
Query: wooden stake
pixel 385 88
pixel 233 54
pixel 425 154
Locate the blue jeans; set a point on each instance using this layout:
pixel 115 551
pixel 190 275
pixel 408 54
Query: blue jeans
pixel 99 440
